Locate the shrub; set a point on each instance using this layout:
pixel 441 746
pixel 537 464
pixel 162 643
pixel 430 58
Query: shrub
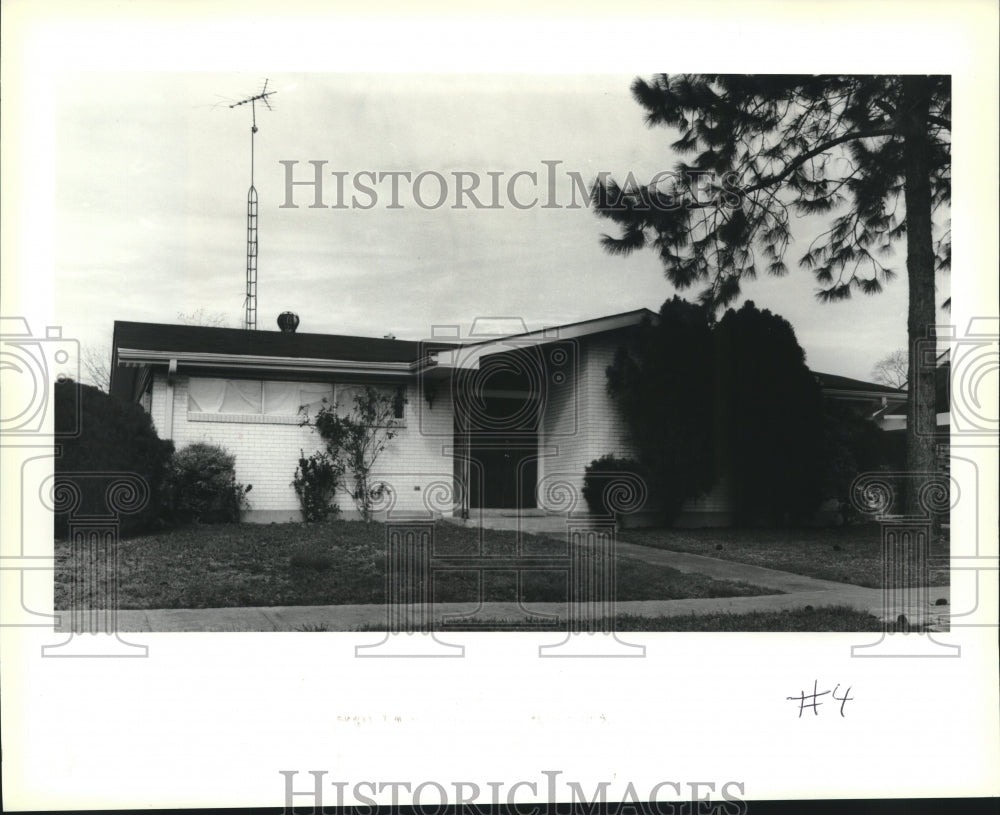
pixel 115 436
pixel 316 480
pixel 355 441
pixel 771 414
pixel 203 486
pixel 664 385
pixel 702 399
pixel 602 474
pixel 853 445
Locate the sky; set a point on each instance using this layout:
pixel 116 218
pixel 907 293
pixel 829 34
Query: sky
pixel 152 171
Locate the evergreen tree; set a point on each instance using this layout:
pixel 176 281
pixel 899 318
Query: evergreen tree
pixel 664 385
pixel 115 436
pixel 872 151
pixel 772 427
pixel 702 400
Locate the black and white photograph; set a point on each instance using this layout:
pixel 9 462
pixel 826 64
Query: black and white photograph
pixel 649 426
pixel 318 360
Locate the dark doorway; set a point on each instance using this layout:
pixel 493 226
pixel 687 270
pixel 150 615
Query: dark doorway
pixel 500 415
pixel 503 475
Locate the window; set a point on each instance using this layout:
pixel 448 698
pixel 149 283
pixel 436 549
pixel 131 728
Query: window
pixel 346 394
pixel 254 397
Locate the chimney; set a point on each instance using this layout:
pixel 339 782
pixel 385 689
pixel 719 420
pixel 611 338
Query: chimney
pixel 288 322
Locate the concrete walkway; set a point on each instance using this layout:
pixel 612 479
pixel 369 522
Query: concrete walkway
pixel 919 605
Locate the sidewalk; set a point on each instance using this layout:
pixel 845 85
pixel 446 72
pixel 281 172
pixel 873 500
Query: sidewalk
pixel 798 591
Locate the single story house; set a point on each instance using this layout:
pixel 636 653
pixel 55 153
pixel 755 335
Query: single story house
pixel 487 423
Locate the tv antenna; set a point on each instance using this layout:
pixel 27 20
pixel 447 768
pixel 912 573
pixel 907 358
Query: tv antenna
pixel 250 320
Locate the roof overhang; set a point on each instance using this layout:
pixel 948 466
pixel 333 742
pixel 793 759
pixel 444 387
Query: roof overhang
pixel 896 422
pixel 874 396
pixel 467 355
pixel 571 331
pixel 131 357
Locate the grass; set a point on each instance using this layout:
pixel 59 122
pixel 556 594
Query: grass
pixel 847 554
pixel 338 563
pixel 808 619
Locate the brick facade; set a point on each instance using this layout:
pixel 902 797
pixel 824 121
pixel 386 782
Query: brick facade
pixel 267 450
pixel 579 423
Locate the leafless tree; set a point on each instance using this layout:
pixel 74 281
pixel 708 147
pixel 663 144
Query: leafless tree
pixel 202 316
pixel 95 366
pixel 892 369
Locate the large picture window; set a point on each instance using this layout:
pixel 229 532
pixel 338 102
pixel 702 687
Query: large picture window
pixel 347 393
pixel 254 397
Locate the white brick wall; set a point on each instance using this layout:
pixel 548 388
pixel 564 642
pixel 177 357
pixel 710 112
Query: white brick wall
pixel 598 427
pixel 267 450
pixel 580 423
pixel 611 432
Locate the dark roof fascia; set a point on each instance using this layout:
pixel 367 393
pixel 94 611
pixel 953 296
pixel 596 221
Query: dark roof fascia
pixel 185 339
pixel 551 334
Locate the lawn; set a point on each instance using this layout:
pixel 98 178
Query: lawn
pixel 342 562
pixel 808 619
pixel 847 554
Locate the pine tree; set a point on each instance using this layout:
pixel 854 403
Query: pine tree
pixel 872 152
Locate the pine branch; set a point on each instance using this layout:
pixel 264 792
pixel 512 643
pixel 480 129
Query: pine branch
pixel 802 159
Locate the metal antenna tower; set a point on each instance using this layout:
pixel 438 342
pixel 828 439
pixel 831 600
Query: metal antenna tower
pixel 250 320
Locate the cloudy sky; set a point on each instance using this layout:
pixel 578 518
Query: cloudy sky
pixel 150 169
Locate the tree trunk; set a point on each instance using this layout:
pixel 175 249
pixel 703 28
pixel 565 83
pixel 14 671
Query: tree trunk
pixel 921 420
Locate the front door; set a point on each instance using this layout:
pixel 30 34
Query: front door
pixel 504 473
pixel 503 466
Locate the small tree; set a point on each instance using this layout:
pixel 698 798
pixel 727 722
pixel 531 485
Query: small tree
pixel 202 316
pixel 892 369
pixel 357 439
pixel 95 364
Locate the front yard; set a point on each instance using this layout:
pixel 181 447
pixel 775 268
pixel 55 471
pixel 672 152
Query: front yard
pixel 846 554
pixel 808 619
pixel 341 563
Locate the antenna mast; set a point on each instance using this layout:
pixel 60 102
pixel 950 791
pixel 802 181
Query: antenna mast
pixel 250 320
